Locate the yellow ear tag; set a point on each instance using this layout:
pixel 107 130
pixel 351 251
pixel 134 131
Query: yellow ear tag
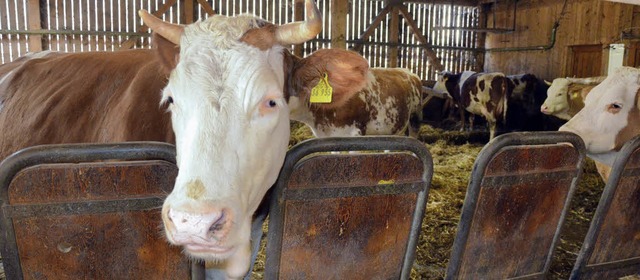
pixel 575 95
pixel 386 182
pixel 322 92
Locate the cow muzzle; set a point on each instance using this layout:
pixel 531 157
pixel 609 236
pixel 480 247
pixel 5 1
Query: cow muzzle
pixel 204 235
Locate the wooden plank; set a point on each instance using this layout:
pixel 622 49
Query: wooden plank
pixel 392 38
pixel 143 28
pixel 431 55
pixel 298 15
pixel 207 8
pixel 188 11
pixel 339 10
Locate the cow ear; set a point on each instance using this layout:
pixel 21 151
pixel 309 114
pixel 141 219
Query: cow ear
pixel 346 72
pixel 167 52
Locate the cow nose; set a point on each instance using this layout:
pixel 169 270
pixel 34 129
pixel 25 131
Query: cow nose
pixel 196 227
pixel 544 109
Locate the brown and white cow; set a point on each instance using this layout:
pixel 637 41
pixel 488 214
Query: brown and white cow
pixel 565 96
pixel 484 94
pixel 218 88
pixel 610 117
pixel 389 102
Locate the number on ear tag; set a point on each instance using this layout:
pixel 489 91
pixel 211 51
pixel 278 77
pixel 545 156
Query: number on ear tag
pixel 322 92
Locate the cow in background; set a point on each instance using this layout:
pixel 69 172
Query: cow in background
pixel 389 104
pixel 484 94
pixel 437 107
pixel 610 117
pixel 528 94
pixel 565 96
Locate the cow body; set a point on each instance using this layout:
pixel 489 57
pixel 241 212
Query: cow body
pixel 82 98
pixel 565 96
pixel 385 106
pixel 528 94
pixel 484 94
pixel 219 89
pixel 610 117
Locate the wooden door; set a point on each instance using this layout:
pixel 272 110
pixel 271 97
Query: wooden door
pixel 585 61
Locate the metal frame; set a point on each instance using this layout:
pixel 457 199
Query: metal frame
pixel 73 153
pixel 485 156
pixel 335 144
pixel 617 172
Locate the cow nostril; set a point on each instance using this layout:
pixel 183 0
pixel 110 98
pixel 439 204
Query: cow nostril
pixel 218 224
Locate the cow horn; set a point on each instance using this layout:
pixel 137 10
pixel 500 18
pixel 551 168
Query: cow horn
pixel 169 31
pixel 300 32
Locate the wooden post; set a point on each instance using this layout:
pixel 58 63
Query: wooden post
pixel 339 10
pixel 394 29
pixel 188 11
pixel 298 16
pixel 33 17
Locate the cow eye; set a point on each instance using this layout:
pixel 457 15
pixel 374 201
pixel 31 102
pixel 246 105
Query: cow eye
pixel 614 108
pixel 170 100
pixel 272 103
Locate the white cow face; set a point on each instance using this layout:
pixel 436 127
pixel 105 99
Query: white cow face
pixel 611 115
pixel 557 102
pixel 231 123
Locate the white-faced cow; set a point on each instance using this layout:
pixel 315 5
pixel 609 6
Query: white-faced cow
pixel 565 96
pixel 226 82
pixel 610 117
pixel 484 94
pixel 388 103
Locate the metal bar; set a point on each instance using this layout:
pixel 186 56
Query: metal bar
pixel 300 151
pixel 349 191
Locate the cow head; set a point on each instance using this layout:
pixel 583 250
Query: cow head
pixel 611 115
pixel 447 84
pixel 557 102
pixel 231 121
pixel 565 96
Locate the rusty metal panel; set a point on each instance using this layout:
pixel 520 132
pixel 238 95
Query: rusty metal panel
pixel 97 217
pixel 515 206
pixel 348 216
pixel 612 246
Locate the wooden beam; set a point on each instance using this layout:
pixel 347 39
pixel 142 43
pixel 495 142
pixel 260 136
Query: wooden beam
pixel 431 55
pixel 369 31
pixel 144 28
pixel 33 17
pixel 394 30
pixel 207 8
pixel 188 12
pixel 339 10
pixel 298 16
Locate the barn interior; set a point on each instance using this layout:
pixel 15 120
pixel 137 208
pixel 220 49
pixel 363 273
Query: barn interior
pixel 547 38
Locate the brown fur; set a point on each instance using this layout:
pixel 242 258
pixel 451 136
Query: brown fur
pixel 262 38
pixel 346 71
pixel 83 97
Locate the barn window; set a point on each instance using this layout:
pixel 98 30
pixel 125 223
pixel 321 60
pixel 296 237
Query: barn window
pixel 110 25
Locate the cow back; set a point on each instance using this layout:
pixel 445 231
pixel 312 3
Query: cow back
pixel 83 97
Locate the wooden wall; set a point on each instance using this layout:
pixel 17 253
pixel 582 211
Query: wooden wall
pixel 584 22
